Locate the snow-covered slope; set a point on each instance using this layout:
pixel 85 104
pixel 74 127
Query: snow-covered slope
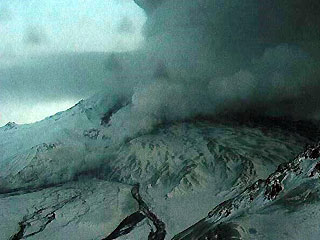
pixel 87 209
pixel 172 135
pixel 82 139
pixel 289 197
pixel 191 165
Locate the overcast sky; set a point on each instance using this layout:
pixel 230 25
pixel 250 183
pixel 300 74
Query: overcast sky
pixel 39 28
pixel 33 26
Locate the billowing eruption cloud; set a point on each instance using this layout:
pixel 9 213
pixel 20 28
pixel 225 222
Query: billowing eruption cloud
pixel 225 57
pixel 203 57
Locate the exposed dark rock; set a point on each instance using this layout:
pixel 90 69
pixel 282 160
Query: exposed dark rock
pixel 160 232
pixel 10 125
pixel 126 226
pixel 20 233
pixel 313 152
pixel 252 231
pixel 315 170
pixel 45 147
pixel 224 231
pixel 115 108
pixel 37 222
pixel 130 222
pixel 273 189
pixel 267 191
pixel 91 133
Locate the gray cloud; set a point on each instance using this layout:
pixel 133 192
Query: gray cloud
pixel 51 78
pixel 35 36
pixel 233 60
pixel 126 26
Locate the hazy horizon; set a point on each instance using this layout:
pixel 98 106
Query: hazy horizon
pixel 32 29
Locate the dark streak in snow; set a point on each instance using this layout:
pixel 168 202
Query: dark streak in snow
pixel 126 226
pixel 130 222
pixel 160 232
pixel 37 218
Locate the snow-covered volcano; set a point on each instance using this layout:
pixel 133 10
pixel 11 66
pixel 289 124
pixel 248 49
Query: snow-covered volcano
pixel 64 176
pixel 195 136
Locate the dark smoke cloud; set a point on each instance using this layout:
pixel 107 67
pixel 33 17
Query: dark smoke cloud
pixel 221 57
pixel 275 43
pixel 200 58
